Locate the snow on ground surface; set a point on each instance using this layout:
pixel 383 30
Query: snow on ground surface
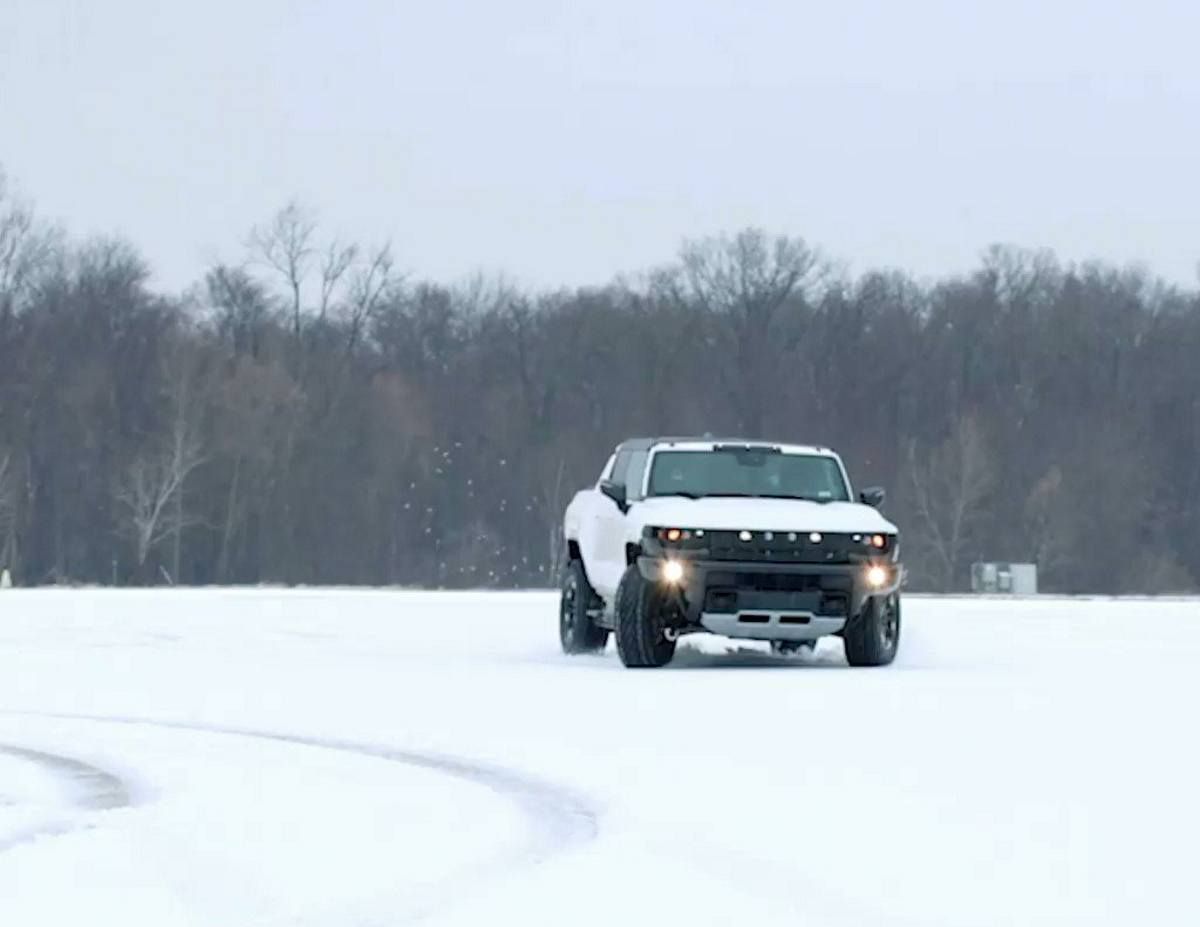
pixel 313 757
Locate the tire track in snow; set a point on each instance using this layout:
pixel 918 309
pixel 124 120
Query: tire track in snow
pixel 558 818
pixel 90 788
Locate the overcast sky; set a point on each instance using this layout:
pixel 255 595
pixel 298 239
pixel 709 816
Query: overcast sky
pixel 566 142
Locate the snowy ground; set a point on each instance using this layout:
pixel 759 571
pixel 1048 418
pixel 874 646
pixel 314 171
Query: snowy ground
pixel 221 758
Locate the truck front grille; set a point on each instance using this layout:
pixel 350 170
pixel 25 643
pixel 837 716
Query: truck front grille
pixel 832 548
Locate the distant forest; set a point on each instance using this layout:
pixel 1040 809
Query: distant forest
pixel 317 414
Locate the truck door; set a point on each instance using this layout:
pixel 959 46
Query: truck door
pixel 597 527
pixel 613 522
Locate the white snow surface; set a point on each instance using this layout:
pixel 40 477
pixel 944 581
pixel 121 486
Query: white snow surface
pixel 335 757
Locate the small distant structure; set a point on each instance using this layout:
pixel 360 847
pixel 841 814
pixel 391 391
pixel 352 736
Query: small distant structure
pixel 992 578
pixel 5 579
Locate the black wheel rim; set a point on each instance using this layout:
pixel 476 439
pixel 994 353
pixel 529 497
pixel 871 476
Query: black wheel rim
pixel 658 622
pixel 566 615
pixel 889 623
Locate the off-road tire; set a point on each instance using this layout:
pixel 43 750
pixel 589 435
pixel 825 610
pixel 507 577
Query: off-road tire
pixel 873 636
pixel 577 631
pixel 641 641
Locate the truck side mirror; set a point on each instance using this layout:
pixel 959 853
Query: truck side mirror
pixel 872 496
pixel 616 492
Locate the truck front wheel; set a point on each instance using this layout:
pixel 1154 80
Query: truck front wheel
pixel 641 632
pixel 873 636
pixel 577 632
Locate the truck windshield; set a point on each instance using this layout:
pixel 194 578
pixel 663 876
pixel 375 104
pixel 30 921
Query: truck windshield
pixel 736 472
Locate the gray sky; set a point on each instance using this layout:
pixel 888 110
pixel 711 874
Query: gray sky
pixel 565 142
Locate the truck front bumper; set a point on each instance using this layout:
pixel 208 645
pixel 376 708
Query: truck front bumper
pixel 771 601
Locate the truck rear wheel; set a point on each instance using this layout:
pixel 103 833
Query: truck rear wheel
pixel 873 636
pixel 577 631
pixel 641 632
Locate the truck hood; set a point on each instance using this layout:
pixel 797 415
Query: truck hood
pixel 725 514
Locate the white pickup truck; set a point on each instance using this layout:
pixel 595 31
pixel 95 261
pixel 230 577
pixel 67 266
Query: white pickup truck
pixel 744 539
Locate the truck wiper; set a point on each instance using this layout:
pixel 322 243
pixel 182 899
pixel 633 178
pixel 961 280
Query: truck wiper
pixel 739 495
pixel 707 495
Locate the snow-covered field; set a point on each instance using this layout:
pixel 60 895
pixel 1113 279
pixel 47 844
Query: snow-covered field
pixel 222 758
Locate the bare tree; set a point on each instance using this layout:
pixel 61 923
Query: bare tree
pixel 351 281
pixel 286 245
pixel 255 412
pixel 750 276
pixel 1041 526
pixel 151 491
pixel 1022 275
pixel 552 503
pixel 371 282
pixel 337 261
pixel 950 488
pixel 240 307
pixel 744 282
pixel 8 510
pixel 24 246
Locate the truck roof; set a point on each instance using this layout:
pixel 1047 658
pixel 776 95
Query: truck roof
pixel 707 442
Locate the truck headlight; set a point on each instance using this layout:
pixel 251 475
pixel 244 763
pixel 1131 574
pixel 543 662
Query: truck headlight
pixel 671 572
pixel 877 577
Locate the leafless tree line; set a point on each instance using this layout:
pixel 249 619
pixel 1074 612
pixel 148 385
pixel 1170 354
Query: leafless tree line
pixel 310 415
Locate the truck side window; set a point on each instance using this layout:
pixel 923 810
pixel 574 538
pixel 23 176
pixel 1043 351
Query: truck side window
pixel 609 467
pixel 635 474
pixel 621 467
